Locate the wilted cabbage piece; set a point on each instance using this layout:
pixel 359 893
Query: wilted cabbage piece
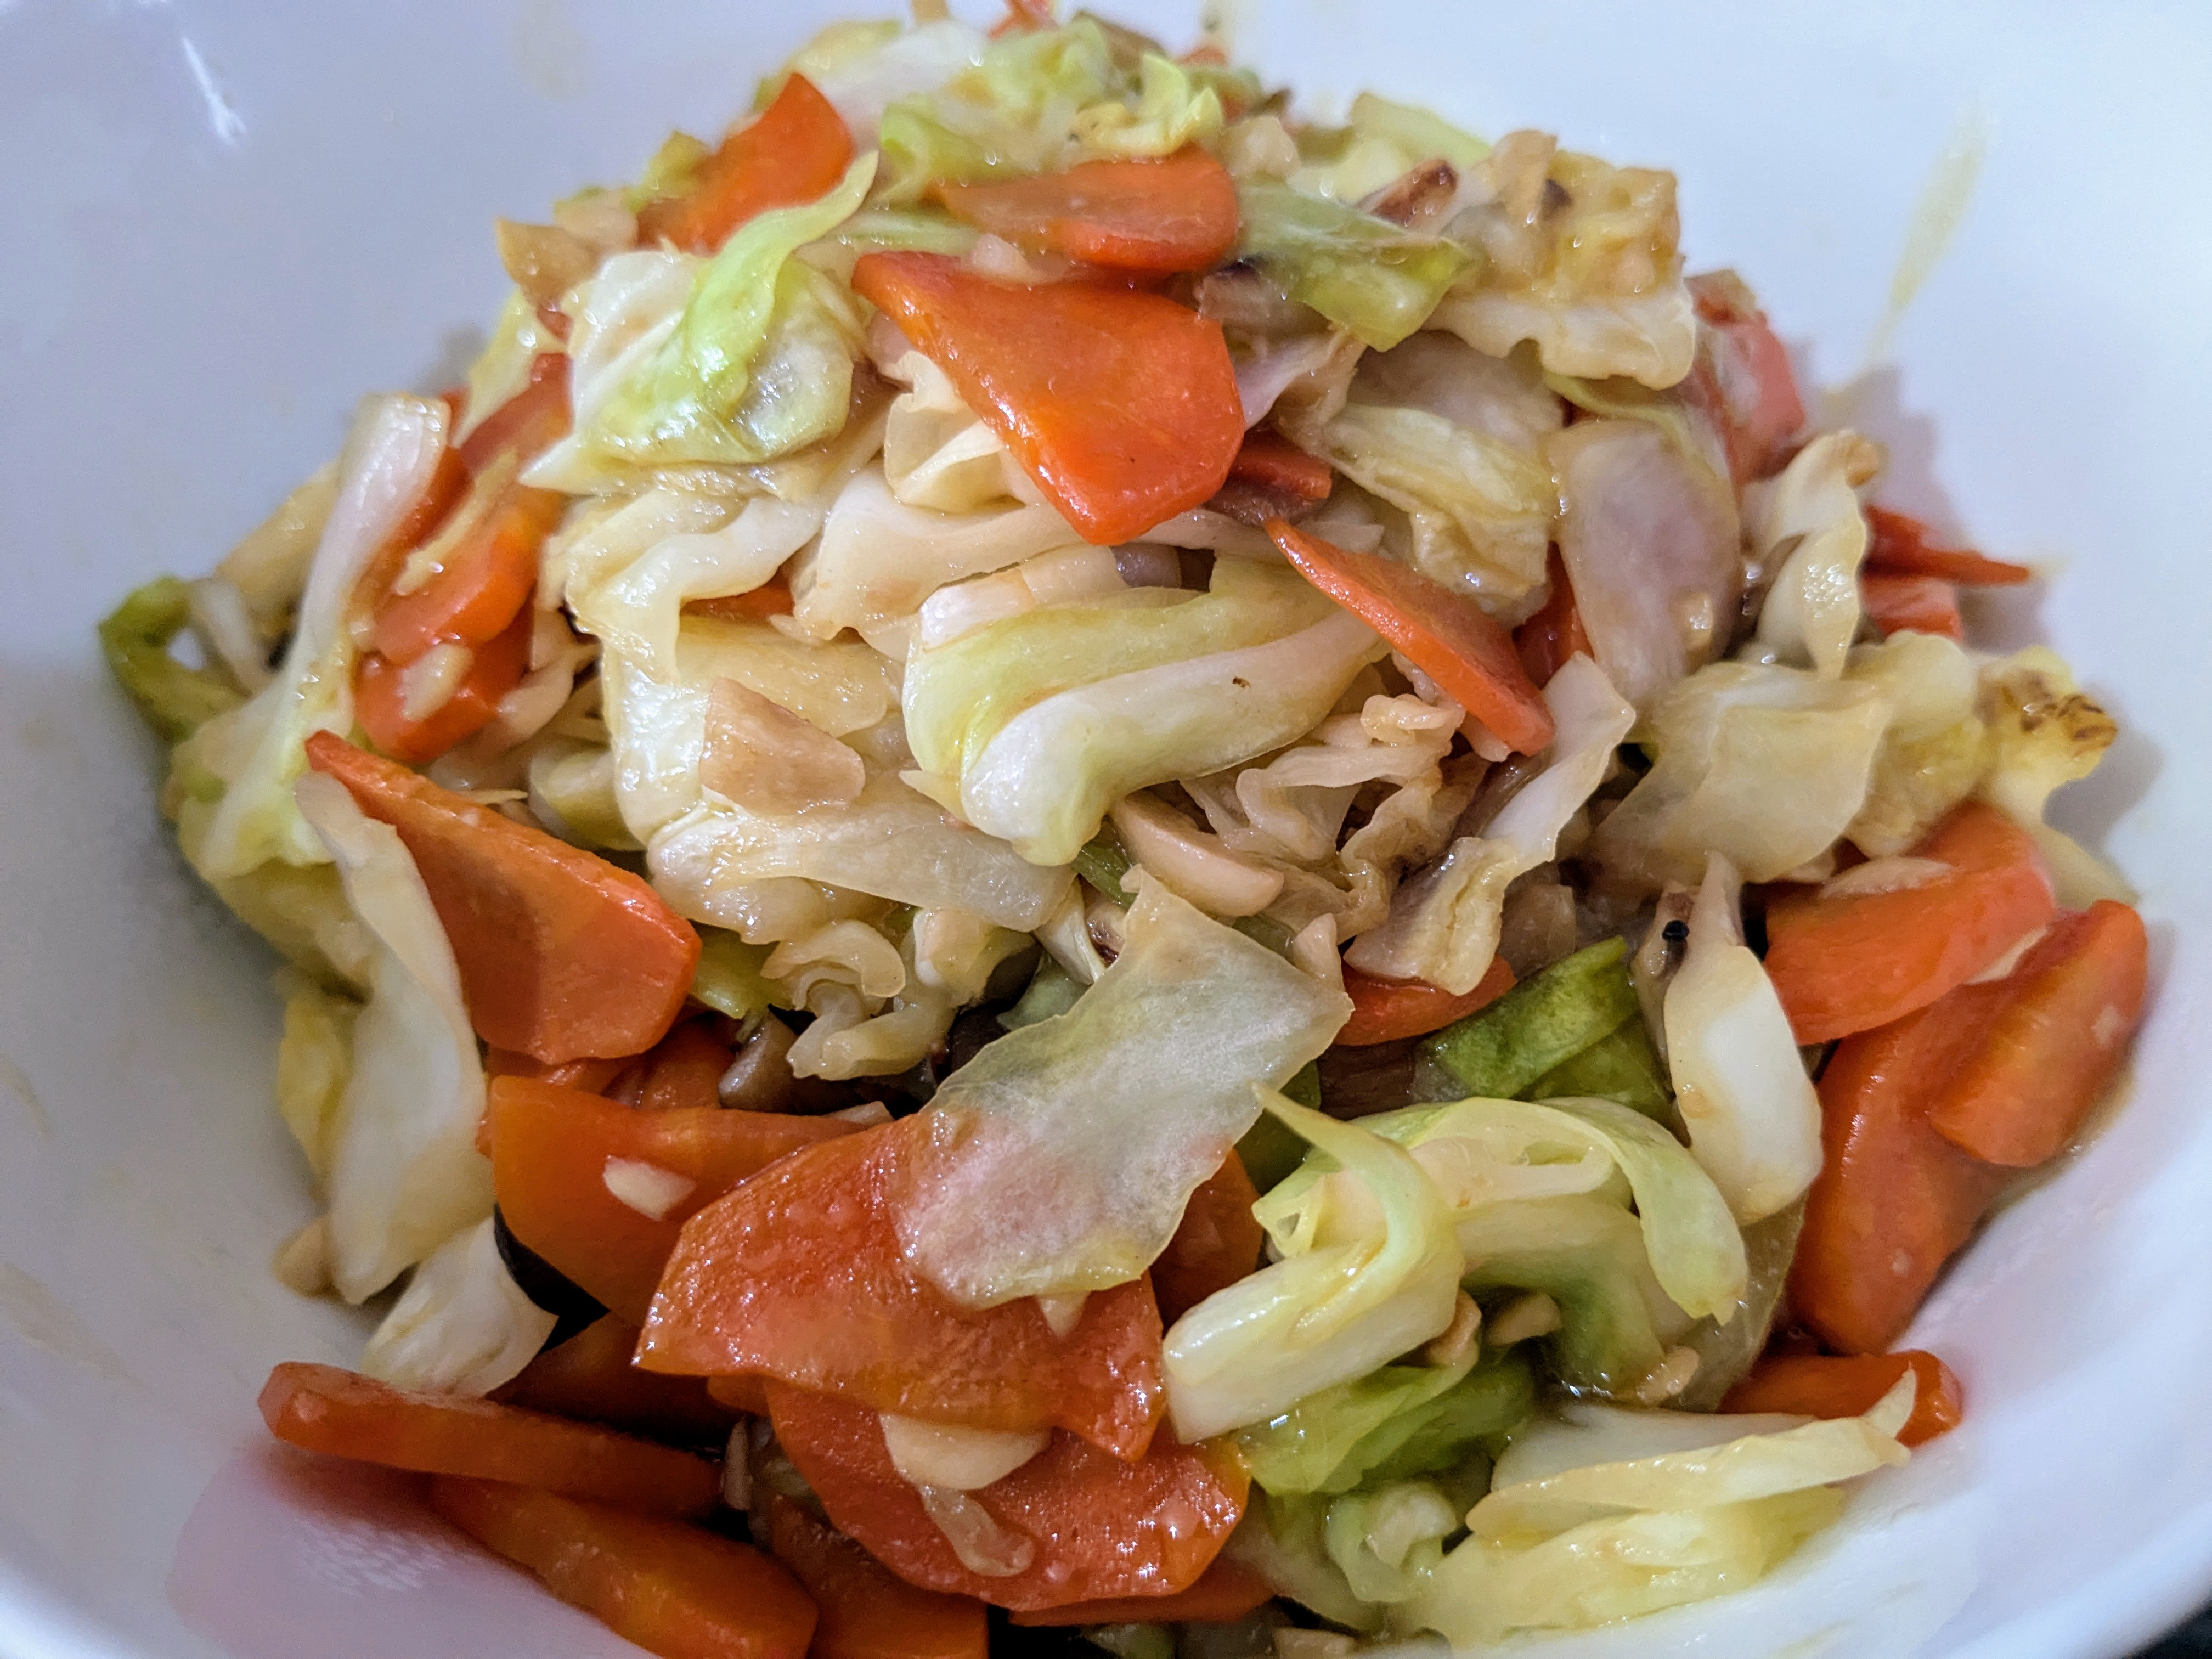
pixel 1379 145
pixel 864 68
pixel 1377 279
pixel 405 1175
pixel 1062 1156
pixel 174 700
pixel 502 369
pixel 1936 747
pixel 462 1326
pixel 314 1059
pixel 1323 1315
pixel 1808 519
pixel 1766 766
pixel 1397 1421
pixel 1565 1542
pixel 2044 732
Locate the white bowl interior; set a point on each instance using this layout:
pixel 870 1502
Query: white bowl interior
pixel 220 222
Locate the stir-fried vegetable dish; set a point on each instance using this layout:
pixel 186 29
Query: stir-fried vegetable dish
pixel 1077 855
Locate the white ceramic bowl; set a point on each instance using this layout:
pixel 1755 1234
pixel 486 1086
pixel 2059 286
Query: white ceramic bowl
pixel 220 222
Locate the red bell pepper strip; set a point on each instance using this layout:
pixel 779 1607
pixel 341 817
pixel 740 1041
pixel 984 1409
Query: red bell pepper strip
pixel 1893 1201
pixel 590 1377
pixel 1226 1592
pixel 1555 633
pixel 1123 405
pixel 529 422
pixel 678 1591
pixel 1450 638
pixel 1178 214
pixel 795 150
pixel 339 1413
pixel 495 668
pixel 1915 605
pixel 1217 1243
pixel 1898 547
pixel 550 1149
pixel 2054 1042
pixel 797 1275
pixel 561 955
pixel 1850 962
pixel 1849 1385
pixel 1098 1526
pixel 1389 1010
pixel 868 1612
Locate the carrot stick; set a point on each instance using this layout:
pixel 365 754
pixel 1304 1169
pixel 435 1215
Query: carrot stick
pixel 1123 405
pixel 339 1413
pixel 1848 1385
pixel 592 1377
pixel 1915 605
pixel 1898 547
pixel 591 1077
pixel 1850 962
pixel 1226 1592
pixel 745 1393
pixel 685 1070
pixel 1096 1527
pixel 1894 1200
pixel 795 150
pixel 1389 1010
pixel 495 668
pixel 2070 1009
pixel 798 1274
pixel 1548 638
pixel 868 1612
pixel 1273 462
pixel 561 955
pixel 571 1171
pixel 1450 639
pixel 1216 1245
pixel 533 420
pixel 1179 213
pixel 481 588
pixel 678 1591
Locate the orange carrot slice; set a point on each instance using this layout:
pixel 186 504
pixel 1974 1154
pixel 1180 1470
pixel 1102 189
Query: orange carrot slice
pixel 1850 962
pixel 678 1591
pixel 1848 1385
pixel 1179 213
pixel 1217 1243
pixel 481 589
pixel 1913 605
pixel 340 1414
pixel 1898 547
pixel 796 150
pixel 1121 405
pixel 1389 1010
pixel 1273 462
pixel 1096 1527
pixel 685 1070
pixel 561 955
pixel 1450 639
pixel 571 1171
pixel 1555 633
pixel 868 1612
pixel 592 1377
pixel 2054 1043
pixel 797 1275
pixel 1743 376
pixel 529 422
pixel 495 668
pixel 1226 1592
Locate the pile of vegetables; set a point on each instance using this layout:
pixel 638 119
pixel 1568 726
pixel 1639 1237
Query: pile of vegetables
pixel 1079 856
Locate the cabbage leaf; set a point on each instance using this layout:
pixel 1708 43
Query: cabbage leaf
pixel 2046 732
pixel 1395 1422
pixel 1933 750
pixel 1364 273
pixel 174 700
pixel 1807 519
pixel 462 1326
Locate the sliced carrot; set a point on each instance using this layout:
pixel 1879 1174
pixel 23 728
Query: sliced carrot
pixel 1179 213
pixel 561 955
pixel 1743 371
pixel 591 1076
pixel 1389 1010
pixel 1217 1243
pixel 1096 1527
pixel 481 588
pixel 1450 638
pixel 1849 1385
pixel 1913 605
pixel 2054 1043
pixel 532 421
pixel 798 1275
pixel 1850 962
pixel 1226 1592
pixel 551 1150
pixel 868 1612
pixel 1273 462
pixel 795 150
pixel 1894 1200
pixel 747 1394
pixel 678 1591
pixel 770 599
pixel 340 1414
pixel 380 698
pixel 591 1377
pixel 1555 633
pixel 1898 547
pixel 1123 405
pixel 685 1069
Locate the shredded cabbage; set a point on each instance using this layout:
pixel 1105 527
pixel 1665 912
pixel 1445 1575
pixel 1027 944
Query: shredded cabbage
pixel 1015 111
pixel 1364 273
pixel 1395 1422
pixel 1322 1316
pixel 174 700
pixel 315 1059
pixel 864 68
pixel 1063 1155
pixel 1808 518
pixel 404 1174
pixel 462 1326
pixel 1936 747
pixel 2046 732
